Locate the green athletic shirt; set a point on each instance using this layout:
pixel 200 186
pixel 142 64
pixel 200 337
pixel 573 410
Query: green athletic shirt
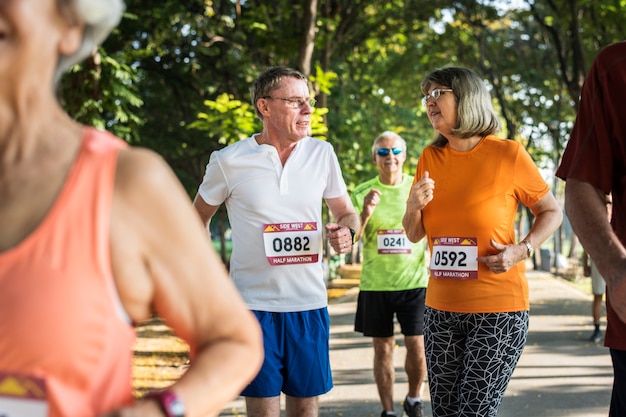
pixel 386 266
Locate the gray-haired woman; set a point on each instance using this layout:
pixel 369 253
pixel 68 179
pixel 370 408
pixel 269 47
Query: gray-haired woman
pixel 96 236
pixel 464 199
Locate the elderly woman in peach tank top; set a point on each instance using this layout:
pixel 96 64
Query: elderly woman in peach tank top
pixel 95 237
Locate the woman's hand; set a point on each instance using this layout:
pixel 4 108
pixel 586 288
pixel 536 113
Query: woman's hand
pixel 421 193
pixel 508 256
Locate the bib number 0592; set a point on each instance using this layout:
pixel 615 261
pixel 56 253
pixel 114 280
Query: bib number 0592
pixel 450 258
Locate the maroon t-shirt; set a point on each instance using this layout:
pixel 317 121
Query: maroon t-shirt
pixel 596 151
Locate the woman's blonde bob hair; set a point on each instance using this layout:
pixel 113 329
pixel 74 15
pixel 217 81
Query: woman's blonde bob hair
pixel 475 113
pixel 99 18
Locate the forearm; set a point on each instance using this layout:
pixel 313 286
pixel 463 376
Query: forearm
pixel 350 220
pixel 412 223
pixel 204 210
pixel 209 379
pixel 202 392
pixel 363 219
pixel 586 211
pixel 544 225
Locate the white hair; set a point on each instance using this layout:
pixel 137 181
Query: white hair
pixel 388 134
pixel 99 18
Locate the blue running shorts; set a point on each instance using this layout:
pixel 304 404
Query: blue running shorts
pixel 297 355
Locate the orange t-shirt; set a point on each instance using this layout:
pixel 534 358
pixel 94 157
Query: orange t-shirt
pixel 65 348
pixel 475 200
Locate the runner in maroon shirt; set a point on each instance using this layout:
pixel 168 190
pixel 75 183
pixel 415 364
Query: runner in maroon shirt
pixel 593 166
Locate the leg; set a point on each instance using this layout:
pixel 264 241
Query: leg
pixel 596 313
pixel 410 313
pixel 598 288
pixel 374 318
pixel 302 407
pixel 494 345
pixel 263 406
pixel 262 395
pixel 597 308
pixel 306 372
pixel 444 345
pixel 384 372
pixel 415 364
pixel 618 400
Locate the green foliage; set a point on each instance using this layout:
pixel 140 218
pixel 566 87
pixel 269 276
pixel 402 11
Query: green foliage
pixel 318 124
pixel 226 120
pixel 323 81
pixel 102 92
pixel 175 76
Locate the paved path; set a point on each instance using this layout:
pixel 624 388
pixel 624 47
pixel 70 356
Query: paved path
pixel 560 373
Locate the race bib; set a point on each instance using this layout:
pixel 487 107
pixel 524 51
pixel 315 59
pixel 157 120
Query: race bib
pixel 454 258
pixel 391 242
pixel 292 243
pixel 22 396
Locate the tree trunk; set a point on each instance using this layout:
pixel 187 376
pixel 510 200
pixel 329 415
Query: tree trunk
pixel 307 42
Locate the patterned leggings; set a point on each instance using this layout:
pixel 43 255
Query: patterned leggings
pixel 471 357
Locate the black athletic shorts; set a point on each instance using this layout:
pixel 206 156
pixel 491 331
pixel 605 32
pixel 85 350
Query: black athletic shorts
pixel 376 309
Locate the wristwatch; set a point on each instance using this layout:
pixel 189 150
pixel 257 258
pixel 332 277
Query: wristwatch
pixel 529 247
pixel 352 233
pixel 170 403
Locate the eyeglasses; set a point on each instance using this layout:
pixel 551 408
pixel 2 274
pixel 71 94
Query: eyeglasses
pixel 385 151
pixel 295 103
pixel 435 94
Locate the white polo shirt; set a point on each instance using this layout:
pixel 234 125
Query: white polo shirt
pixel 275 212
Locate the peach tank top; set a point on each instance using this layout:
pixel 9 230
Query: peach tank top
pixel 65 347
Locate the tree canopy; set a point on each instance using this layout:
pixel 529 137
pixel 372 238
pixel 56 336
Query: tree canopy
pixel 175 76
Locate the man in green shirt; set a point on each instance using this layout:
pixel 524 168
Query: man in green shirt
pixel 394 275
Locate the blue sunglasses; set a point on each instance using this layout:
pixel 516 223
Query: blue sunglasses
pixel 385 151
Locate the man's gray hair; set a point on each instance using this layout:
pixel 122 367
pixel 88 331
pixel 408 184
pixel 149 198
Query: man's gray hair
pixel 388 134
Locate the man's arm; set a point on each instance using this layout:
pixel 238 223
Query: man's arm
pixel 346 217
pixel 206 211
pixel 585 206
pixel 370 201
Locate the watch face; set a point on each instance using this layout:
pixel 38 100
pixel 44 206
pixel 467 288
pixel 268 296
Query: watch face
pixel 177 408
pixel 170 403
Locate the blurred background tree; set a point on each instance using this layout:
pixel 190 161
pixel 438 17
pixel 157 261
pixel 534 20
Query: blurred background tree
pixel 175 76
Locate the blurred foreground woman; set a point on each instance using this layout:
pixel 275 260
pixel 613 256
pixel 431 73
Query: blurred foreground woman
pixel 96 236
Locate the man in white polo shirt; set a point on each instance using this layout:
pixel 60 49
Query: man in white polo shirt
pixel 273 185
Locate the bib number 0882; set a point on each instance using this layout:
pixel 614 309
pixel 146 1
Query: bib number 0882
pixel 288 244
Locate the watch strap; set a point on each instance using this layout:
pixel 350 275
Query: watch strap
pixel 529 248
pixel 170 403
pixel 352 233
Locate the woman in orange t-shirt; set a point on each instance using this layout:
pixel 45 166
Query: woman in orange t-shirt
pixel 464 199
